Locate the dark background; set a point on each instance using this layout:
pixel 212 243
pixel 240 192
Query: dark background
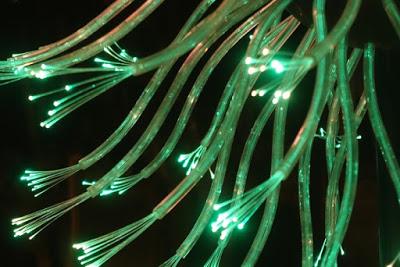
pixel 26 25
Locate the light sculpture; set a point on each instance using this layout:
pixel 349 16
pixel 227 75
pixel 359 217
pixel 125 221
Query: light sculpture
pixel 222 24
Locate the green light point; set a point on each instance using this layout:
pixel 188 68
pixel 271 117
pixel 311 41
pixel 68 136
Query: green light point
pixel 108 66
pixel 277 66
pixel 240 226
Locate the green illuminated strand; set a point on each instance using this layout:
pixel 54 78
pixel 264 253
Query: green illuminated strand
pixel 332 124
pixel 393 262
pixel 334 241
pixel 98 250
pixel 78 88
pixel 8 80
pixel 215 258
pixel 289 83
pixel 189 161
pixel 202 30
pixel 108 39
pixel 129 24
pixel 41 95
pixel 376 119
pixel 271 204
pixel 340 29
pixel 41 181
pixel 171 262
pixel 335 161
pixel 331 199
pixel 70 103
pixel 122 57
pixel 393 13
pixel 83 33
pixel 35 222
pixel 307 241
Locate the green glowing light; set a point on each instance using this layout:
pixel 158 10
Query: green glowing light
pixel 278 93
pixel 41 74
pixel 191 160
pixel 216 207
pixel 277 66
pixel 265 51
pixel 88 183
pixel 251 70
pixel 240 226
pixel 286 95
pixel 248 60
pixel 106 192
pixel 107 65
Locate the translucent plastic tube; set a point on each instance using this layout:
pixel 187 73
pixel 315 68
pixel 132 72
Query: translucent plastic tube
pixel 80 35
pixel 334 242
pixel 393 14
pixel 376 120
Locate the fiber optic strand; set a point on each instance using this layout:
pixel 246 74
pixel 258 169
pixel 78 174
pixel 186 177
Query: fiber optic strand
pixel 335 162
pixel 376 120
pixel 58 47
pixel 334 241
pixel 392 10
